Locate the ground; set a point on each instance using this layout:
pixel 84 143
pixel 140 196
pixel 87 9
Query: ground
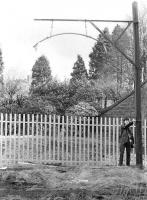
pixel 50 182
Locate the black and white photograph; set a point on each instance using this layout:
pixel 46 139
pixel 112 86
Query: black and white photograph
pixel 73 100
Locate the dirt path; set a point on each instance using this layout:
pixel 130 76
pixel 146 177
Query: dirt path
pixel 42 182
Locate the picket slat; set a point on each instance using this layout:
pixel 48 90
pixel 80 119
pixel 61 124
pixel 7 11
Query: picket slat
pixel 92 139
pixel 62 139
pixel 75 139
pixel 109 146
pixel 28 134
pixel 19 132
pixel 41 142
pixel 101 140
pixel 45 136
pixel 15 139
pixel 97 140
pixel 84 135
pixel 58 149
pixel 88 154
pixel 37 139
pixel 114 143
pixel 54 135
pixel 1 141
pixel 79 140
pixel 117 141
pixel 105 139
pixel 145 146
pixel 23 142
pixel 5 141
pixel 50 137
pixel 32 137
pixel 10 139
pixel 67 138
pixel 71 143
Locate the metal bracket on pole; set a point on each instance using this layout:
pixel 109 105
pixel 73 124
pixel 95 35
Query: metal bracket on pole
pixel 129 59
pixel 123 32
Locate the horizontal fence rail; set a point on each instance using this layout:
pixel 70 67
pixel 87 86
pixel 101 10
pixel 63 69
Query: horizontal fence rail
pixel 58 139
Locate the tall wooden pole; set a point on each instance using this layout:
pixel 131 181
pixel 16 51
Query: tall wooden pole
pixel 138 133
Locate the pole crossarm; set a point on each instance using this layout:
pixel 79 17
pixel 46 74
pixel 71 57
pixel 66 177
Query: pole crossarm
pixel 128 58
pixel 83 20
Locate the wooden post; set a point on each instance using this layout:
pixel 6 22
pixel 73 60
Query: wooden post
pixel 138 132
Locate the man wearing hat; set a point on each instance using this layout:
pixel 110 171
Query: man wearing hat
pixel 126 140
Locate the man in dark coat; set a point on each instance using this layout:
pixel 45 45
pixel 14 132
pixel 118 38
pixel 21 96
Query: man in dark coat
pixel 126 141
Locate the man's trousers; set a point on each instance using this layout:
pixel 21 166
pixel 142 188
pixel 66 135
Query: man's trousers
pixel 126 145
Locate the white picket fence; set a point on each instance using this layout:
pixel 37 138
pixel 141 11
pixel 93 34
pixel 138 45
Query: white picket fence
pixel 59 139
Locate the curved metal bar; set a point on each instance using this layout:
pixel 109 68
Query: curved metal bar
pixel 60 34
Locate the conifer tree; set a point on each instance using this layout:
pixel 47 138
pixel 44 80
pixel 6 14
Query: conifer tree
pixel 99 56
pixel 79 70
pixel 41 73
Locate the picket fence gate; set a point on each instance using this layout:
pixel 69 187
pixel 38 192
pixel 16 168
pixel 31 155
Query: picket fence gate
pixel 63 140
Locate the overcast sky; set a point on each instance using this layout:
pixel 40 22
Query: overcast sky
pixel 19 32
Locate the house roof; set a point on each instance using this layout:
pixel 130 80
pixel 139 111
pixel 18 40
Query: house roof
pixel 103 111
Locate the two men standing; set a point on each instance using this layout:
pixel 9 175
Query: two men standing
pixel 126 140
